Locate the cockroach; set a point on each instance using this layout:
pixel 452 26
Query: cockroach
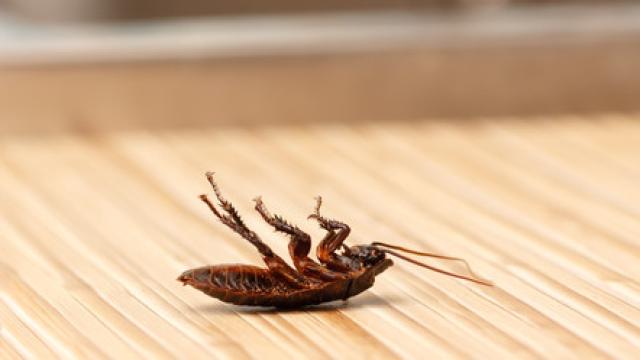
pixel 336 276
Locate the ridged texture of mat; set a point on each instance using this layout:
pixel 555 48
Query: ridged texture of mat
pixel 94 229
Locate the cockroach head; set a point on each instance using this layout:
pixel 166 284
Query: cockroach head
pixel 366 255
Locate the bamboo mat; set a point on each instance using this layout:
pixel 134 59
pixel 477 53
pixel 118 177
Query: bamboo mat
pixel 94 229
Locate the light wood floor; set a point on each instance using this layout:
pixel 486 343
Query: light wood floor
pixel 95 228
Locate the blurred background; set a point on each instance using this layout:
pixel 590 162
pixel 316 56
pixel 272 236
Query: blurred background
pixel 96 64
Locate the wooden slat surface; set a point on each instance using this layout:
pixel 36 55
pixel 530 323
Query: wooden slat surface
pixel 94 229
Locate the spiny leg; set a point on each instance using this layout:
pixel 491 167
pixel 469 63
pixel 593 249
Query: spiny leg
pixel 299 245
pixel 337 232
pixel 233 220
pixel 240 229
pixel 333 240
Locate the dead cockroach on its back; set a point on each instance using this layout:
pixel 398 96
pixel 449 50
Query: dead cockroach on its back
pixel 336 276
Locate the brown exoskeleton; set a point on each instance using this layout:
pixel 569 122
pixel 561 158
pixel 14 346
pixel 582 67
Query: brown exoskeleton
pixel 336 275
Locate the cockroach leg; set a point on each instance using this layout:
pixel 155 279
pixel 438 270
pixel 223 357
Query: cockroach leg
pixel 241 229
pixel 337 233
pixel 233 220
pixel 300 242
pixel 299 245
